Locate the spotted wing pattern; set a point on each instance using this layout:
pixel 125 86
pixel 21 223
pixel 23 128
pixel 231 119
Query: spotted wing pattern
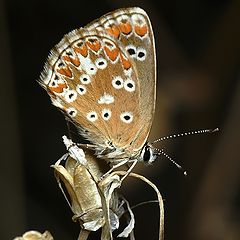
pixel 103 78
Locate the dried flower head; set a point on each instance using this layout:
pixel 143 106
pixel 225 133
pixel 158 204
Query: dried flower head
pixel 95 202
pixel 34 235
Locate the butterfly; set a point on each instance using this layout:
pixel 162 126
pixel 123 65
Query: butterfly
pixel 103 78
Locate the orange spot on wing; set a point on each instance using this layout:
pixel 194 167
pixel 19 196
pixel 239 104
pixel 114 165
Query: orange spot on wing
pixel 141 30
pixel 125 28
pixel 65 71
pixel 111 53
pixel 126 63
pixel 82 49
pixel 113 30
pixel 94 44
pixel 59 88
pixel 75 60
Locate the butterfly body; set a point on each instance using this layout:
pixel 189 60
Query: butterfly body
pixel 103 78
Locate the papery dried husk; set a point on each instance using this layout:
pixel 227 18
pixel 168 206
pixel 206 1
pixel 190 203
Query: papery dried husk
pixel 35 235
pixel 113 181
pixel 94 205
pixel 94 201
pixel 83 194
pixel 159 200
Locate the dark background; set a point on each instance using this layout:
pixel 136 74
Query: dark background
pixel 198 50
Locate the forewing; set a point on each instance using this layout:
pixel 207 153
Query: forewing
pixel 92 80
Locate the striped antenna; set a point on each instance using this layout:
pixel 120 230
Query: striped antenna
pixel 161 152
pixel 186 134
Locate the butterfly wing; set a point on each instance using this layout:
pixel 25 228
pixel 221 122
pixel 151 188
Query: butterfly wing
pixel 101 86
pixel 132 27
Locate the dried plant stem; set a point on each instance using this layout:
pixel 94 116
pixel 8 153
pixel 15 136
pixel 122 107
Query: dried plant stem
pixel 159 196
pixel 83 235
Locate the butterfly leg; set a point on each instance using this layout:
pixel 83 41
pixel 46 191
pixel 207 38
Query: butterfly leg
pixel 118 165
pixel 130 169
pixel 114 167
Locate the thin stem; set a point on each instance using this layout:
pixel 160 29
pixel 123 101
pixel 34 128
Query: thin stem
pixel 83 235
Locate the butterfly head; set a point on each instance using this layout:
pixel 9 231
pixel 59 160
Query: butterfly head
pixel 148 153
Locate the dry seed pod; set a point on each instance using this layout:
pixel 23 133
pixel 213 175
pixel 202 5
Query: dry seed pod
pixel 34 235
pixel 94 207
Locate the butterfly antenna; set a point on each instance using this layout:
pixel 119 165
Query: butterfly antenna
pixel 161 152
pixel 186 134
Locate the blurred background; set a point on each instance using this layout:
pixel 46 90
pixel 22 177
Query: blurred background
pixel 198 53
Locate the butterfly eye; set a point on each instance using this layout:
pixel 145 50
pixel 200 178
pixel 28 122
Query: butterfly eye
pixel 81 89
pixel 92 116
pixel 147 154
pixel 117 82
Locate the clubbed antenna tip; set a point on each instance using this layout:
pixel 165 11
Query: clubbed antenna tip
pixel 161 152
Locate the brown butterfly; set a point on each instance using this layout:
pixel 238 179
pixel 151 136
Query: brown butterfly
pixel 103 77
